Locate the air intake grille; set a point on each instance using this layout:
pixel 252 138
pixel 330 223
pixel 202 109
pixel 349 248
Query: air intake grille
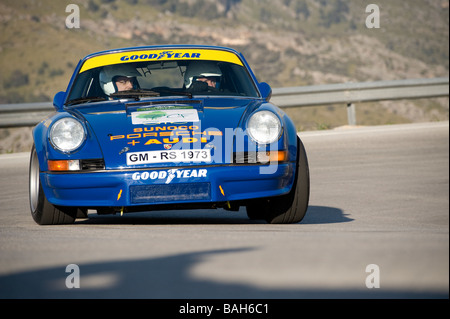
pixel 92 164
pixel 164 193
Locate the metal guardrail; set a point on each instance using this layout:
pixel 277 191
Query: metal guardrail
pixel 351 93
pixel 29 114
pixel 24 114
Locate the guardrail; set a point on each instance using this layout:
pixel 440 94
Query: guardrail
pixel 351 93
pixel 29 114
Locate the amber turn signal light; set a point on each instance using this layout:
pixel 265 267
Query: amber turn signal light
pixel 272 156
pixel 64 165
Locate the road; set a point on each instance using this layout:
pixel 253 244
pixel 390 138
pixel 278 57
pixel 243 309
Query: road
pixel 378 217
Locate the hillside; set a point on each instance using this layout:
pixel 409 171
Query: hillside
pixel 287 43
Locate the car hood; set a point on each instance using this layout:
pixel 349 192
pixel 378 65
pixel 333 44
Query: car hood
pixel 122 127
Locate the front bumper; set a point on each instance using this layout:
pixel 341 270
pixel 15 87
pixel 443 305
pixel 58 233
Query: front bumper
pixel 142 187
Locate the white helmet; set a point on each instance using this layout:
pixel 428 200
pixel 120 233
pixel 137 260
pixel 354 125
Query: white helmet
pixel 200 69
pixel 109 72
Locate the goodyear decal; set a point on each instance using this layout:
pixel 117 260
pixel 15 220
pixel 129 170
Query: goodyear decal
pixel 160 55
pixel 169 175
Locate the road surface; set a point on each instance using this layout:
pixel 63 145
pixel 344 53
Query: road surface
pixel 377 227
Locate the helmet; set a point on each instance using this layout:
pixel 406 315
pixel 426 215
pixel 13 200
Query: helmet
pixel 109 72
pixel 200 69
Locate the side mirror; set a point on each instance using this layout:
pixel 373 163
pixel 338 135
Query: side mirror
pixel 58 100
pixel 265 90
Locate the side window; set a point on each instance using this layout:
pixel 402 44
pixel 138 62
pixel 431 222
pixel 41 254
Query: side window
pixel 81 85
pixel 86 85
pixel 93 89
pixel 240 81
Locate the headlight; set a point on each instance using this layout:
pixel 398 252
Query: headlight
pixel 67 134
pixel 264 127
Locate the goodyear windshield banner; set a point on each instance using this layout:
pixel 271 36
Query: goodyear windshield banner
pixel 160 55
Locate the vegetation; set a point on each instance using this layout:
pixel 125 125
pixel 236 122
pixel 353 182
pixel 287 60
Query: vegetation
pixel 287 43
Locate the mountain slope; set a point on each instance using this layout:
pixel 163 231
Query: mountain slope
pixel 287 43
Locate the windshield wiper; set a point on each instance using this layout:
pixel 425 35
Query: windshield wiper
pixel 135 93
pixel 172 92
pixel 85 99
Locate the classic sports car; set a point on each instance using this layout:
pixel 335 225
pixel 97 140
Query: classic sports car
pixel 166 127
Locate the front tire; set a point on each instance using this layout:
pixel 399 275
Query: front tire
pixel 42 211
pixel 289 208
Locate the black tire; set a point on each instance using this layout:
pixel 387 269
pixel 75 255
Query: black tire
pixel 42 211
pixel 292 207
pixel 289 208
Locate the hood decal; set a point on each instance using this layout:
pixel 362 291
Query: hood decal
pixel 122 129
pixel 171 115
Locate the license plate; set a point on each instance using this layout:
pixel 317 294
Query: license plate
pixel 150 157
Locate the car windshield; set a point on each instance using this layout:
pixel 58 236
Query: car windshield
pixel 161 78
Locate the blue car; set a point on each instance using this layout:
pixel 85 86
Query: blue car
pixel 166 127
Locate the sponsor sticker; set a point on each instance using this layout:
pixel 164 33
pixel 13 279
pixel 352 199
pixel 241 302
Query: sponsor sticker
pixel 159 55
pixel 164 116
pixel 169 175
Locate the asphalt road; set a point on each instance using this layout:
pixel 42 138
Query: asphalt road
pixel 379 196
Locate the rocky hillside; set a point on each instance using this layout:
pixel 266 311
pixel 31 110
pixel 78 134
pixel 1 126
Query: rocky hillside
pixel 287 43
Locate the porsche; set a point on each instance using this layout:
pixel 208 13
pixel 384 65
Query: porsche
pixel 166 127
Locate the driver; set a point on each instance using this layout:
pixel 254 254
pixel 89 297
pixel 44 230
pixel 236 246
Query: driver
pixel 203 71
pixel 120 77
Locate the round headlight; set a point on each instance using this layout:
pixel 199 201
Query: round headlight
pixel 67 134
pixel 264 127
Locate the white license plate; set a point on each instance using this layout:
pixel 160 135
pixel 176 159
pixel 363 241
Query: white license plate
pixel 138 158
